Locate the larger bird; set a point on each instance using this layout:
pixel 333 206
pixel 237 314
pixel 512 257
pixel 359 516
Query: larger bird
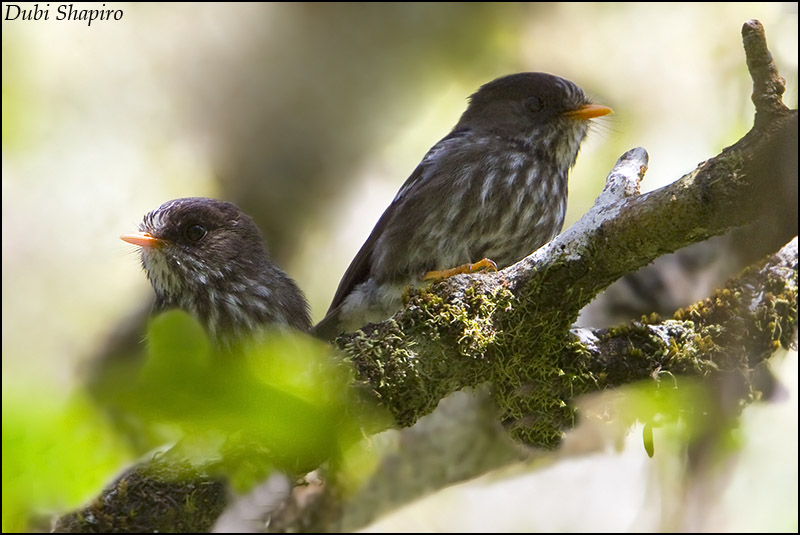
pixel 208 258
pixel 491 192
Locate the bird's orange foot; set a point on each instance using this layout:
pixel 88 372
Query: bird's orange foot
pixel 481 265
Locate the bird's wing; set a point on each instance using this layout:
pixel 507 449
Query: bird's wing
pixel 360 267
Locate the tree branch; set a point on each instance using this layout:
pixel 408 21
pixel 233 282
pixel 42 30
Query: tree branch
pixel 736 329
pixel 729 334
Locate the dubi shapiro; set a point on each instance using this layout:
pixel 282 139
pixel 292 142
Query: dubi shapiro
pixel 64 12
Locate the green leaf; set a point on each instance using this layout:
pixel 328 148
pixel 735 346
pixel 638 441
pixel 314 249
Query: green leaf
pixel 57 453
pixel 284 398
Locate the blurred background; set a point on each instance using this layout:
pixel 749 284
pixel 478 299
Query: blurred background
pixel 310 116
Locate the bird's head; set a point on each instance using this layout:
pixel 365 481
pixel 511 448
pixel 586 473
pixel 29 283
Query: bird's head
pixel 208 258
pixel 543 111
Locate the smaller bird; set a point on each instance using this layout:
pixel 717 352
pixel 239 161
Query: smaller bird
pixel 208 258
pixel 488 194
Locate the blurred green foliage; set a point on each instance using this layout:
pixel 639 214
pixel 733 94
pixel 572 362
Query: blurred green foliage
pixel 683 410
pixel 56 453
pixel 280 402
pixel 282 398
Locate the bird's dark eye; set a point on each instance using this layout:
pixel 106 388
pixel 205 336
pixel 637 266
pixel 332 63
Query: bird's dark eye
pixel 534 104
pixel 194 232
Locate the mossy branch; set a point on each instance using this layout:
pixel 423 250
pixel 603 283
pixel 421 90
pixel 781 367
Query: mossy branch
pixel 165 495
pixel 736 329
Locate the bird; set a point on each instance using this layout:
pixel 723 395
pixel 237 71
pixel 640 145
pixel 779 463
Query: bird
pixel 485 196
pixel 208 258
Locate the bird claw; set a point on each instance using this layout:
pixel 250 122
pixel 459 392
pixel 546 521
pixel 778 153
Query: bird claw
pixel 481 265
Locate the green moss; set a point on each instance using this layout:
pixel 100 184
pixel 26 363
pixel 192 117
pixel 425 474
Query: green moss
pixel 144 500
pixel 531 388
pixel 411 376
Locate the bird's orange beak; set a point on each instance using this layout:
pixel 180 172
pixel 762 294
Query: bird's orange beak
pixel 589 111
pixel 142 239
